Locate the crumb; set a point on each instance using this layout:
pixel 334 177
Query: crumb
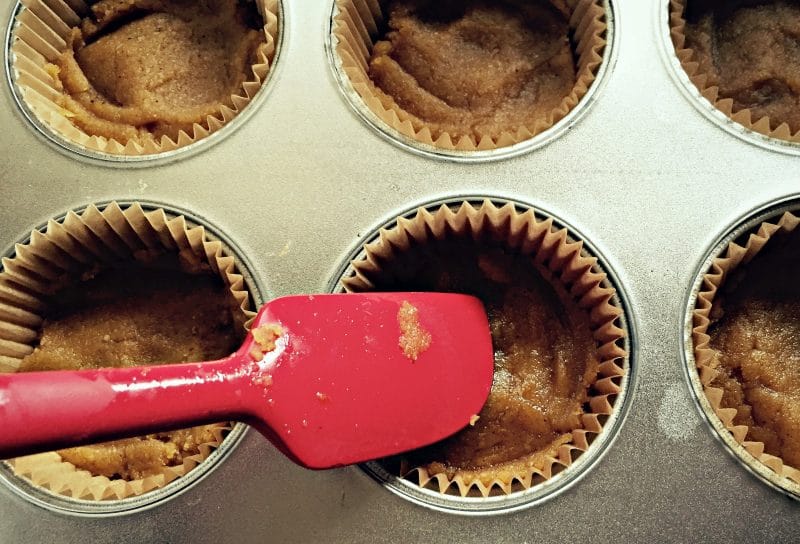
pixel 264 338
pixel 265 380
pixel 474 419
pixel 414 340
pixel 322 397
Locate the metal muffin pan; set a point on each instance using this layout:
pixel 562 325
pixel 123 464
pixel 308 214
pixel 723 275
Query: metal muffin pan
pixel 643 175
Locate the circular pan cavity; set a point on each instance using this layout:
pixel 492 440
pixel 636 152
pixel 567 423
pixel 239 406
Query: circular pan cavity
pixel 701 103
pixel 77 151
pixel 54 502
pixel 498 502
pixel 357 105
pixel 741 228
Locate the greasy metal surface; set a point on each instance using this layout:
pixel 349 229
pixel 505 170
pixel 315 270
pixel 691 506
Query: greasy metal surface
pixel 644 175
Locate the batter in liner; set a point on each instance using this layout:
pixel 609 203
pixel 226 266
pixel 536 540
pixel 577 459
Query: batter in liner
pixel 133 316
pixel 156 67
pixel 750 51
pixel 545 356
pixel 475 67
pixel 756 335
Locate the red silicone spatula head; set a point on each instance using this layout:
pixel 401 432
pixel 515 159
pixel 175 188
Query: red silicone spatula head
pixel 350 378
pixel 340 387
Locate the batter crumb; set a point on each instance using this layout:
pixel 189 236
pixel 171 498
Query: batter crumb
pixel 264 338
pixel 474 419
pixel 414 339
pixel 264 381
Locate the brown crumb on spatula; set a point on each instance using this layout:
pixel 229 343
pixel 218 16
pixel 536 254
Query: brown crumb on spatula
pixel 264 338
pixel 414 339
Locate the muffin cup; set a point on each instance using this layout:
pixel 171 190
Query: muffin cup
pixel 737 248
pixel 561 260
pixel 354 29
pixel 38 35
pixel 55 256
pixel 710 92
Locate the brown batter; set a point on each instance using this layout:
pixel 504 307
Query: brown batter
pixel 475 67
pixel 138 67
pixel 137 316
pixel 750 50
pixel 758 343
pixel 545 356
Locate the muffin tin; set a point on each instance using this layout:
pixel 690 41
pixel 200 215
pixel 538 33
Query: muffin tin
pixel 303 181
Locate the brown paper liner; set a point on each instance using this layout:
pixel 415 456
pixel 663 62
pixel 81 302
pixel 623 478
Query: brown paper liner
pixel 355 27
pixel 76 244
pixel 41 30
pixel 706 357
pixel 705 82
pixel 561 261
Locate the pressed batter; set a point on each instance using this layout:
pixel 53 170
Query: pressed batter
pixel 750 50
pixel 475 67
pixel 757 338
pixel 136 316
pixel 545 355
pixel 155 67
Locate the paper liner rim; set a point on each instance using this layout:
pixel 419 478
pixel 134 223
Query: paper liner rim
pixel 691 66
pixel 713 279
pixel 550 247
pixel 129 227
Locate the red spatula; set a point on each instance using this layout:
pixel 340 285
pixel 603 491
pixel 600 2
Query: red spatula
pixel 340 386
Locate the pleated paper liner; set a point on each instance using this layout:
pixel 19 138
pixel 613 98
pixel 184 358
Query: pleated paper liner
pixel 705 357
pixel 40 35
pixel 355 29
pixel 566 265
pixel 705 83
pixel 77 244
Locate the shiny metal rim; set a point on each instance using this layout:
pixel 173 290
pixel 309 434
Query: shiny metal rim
pixel 742 225
pixel 78 152
pixel 387 133
pixel 701 103
pixel 51 501
pixel 564 480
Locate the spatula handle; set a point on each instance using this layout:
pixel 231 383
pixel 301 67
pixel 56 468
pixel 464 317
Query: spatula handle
pixel 42 411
